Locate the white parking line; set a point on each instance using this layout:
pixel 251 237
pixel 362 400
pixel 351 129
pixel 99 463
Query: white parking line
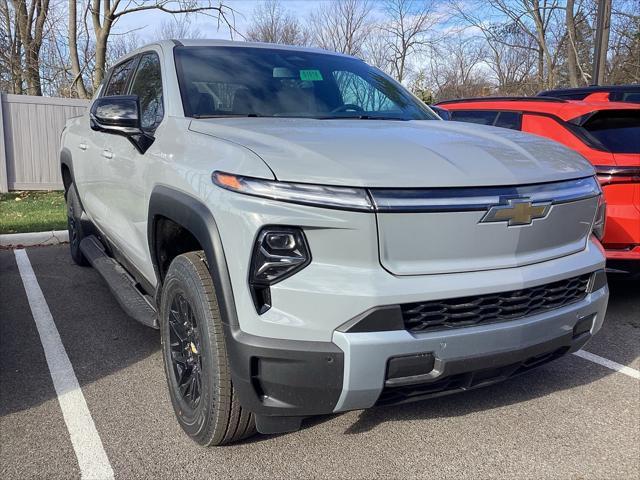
pixel 92 459
pixel 605 362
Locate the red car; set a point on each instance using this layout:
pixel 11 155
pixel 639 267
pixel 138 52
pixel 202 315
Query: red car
pixel 606 133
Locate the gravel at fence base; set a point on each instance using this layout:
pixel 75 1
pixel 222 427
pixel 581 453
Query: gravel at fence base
pixel 54 237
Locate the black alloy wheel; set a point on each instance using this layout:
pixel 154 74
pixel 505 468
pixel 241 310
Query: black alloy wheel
pixel 194 353
pixel 184 343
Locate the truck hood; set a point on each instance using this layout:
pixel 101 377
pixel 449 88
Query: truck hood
pixel 390 153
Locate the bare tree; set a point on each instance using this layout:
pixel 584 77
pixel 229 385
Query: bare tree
pixel 455 67
pixel 376 50
pixel 30 18
pixel 10 51
pixel 537 20
pixel 77 84
pixel 179 26
pixel 572 54
pixel 120 44
pixel 624 47
pixel 272 23
pixel 105 14
pixel 342 28
pixel 409 22
pixel 512 60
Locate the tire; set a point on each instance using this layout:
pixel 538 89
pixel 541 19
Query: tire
pixel 74 226
pixel 195 356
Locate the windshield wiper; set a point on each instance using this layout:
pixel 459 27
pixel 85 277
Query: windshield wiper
pixel 227 115
pixel 361 117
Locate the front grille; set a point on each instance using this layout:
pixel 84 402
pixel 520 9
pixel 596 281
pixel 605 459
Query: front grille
pixel 495 307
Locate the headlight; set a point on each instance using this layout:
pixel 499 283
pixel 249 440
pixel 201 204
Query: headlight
pixel 599 223
pixel 279 252
pixel 345 198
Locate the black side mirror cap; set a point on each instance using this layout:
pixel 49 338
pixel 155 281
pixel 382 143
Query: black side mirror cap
pixel 120 115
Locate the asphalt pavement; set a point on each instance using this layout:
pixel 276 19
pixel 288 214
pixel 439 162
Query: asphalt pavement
pixel 571 418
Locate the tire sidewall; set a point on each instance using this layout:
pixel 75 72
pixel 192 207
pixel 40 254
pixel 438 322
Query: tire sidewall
pixel 74 213
pixel 183 279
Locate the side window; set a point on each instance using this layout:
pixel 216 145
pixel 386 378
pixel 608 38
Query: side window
pixel 147 85
pixel 631 97
pixel 483 117
pixel 512 120
pixel 118 80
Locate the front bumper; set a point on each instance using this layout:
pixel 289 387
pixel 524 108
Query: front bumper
pixel 282 381
pixel 629 254
pixel 464 350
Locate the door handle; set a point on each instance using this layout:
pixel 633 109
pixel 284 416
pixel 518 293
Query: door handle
pixel 82 146
pixel 107 153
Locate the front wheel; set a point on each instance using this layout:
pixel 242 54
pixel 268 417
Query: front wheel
pixel 195 356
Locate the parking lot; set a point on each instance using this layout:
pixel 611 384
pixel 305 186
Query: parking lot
pixel 572 418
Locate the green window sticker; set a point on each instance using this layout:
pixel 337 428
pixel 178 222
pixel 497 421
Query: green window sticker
pixel 311 75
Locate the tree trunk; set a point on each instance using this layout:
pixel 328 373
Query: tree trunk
pixel 31 41
pixel 78 82
pixel 541 83
pixel 101 58
pixel 572 61
pixel 32 72
pixel 544 48
pixel 604 42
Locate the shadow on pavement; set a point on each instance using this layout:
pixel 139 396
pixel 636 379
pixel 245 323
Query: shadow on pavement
pixel 562 374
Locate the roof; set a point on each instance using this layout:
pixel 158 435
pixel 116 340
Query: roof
pixel 564 109
pixel 242 44
pixel 502 99
pixel 578 92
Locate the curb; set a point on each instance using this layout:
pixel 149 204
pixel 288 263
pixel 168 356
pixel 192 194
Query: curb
pixel 31 239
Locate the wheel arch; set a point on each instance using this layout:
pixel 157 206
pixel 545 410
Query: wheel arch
pixel 66 168
pixel 196 218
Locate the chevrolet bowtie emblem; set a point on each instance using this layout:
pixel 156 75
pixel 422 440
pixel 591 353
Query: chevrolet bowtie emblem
pixel 517 212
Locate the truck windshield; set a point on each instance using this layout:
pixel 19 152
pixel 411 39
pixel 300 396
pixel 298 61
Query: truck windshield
pixel 261 82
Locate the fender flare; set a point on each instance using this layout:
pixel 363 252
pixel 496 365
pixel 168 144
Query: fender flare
pixel 309 363
pixel 191 214
pixel 67 160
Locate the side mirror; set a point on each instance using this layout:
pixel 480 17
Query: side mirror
pixel 120 115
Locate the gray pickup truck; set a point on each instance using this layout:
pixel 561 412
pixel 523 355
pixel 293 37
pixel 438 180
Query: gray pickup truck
pixel 310 238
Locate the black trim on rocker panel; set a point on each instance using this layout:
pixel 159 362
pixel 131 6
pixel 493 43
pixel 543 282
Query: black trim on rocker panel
pixel 280 381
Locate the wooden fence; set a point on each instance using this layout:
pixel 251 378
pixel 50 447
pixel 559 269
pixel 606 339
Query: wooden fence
pixel 30 129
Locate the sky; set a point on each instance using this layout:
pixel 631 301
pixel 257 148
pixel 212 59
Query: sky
pixel 151 20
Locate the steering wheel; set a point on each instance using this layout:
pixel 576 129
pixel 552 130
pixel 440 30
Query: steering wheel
pixel 348 107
